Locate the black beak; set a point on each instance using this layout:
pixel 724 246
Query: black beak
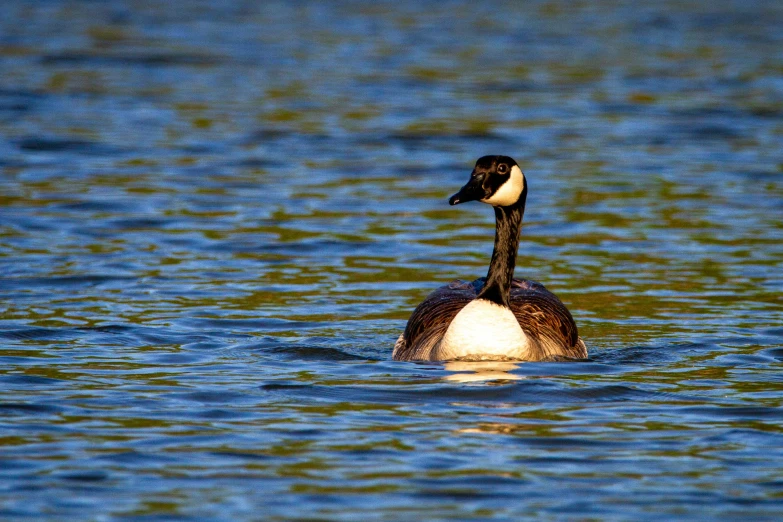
pixel 472 191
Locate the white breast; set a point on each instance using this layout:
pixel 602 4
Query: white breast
pixel 483 331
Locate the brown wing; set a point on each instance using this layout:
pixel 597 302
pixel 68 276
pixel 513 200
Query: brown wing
pixel 430 320
pixel 546 321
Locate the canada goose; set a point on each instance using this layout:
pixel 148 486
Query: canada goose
pixel 495 317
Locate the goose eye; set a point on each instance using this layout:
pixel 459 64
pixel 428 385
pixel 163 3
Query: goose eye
pixel 502 168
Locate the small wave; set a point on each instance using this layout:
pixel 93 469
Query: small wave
pixel 520 392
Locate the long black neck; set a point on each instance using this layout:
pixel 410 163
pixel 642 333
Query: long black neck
pixel 508 221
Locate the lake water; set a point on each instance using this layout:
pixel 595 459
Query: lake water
pixel 215 221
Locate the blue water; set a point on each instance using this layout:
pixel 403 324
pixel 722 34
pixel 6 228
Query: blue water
pixel 215 221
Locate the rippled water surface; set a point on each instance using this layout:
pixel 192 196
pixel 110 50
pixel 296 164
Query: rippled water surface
pixel 215 220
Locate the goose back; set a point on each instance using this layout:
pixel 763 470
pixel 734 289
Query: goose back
pixel 551 330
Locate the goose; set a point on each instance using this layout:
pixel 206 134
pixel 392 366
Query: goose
pixel 497 317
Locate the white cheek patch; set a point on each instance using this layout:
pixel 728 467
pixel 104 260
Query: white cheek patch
pixel 509 192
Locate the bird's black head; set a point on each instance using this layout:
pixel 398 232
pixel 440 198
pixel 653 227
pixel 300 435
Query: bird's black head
pixel 496 180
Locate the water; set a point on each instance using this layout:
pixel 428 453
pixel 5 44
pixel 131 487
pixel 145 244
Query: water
pixel 216 220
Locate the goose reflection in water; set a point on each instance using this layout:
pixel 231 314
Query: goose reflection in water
pixel 482 371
